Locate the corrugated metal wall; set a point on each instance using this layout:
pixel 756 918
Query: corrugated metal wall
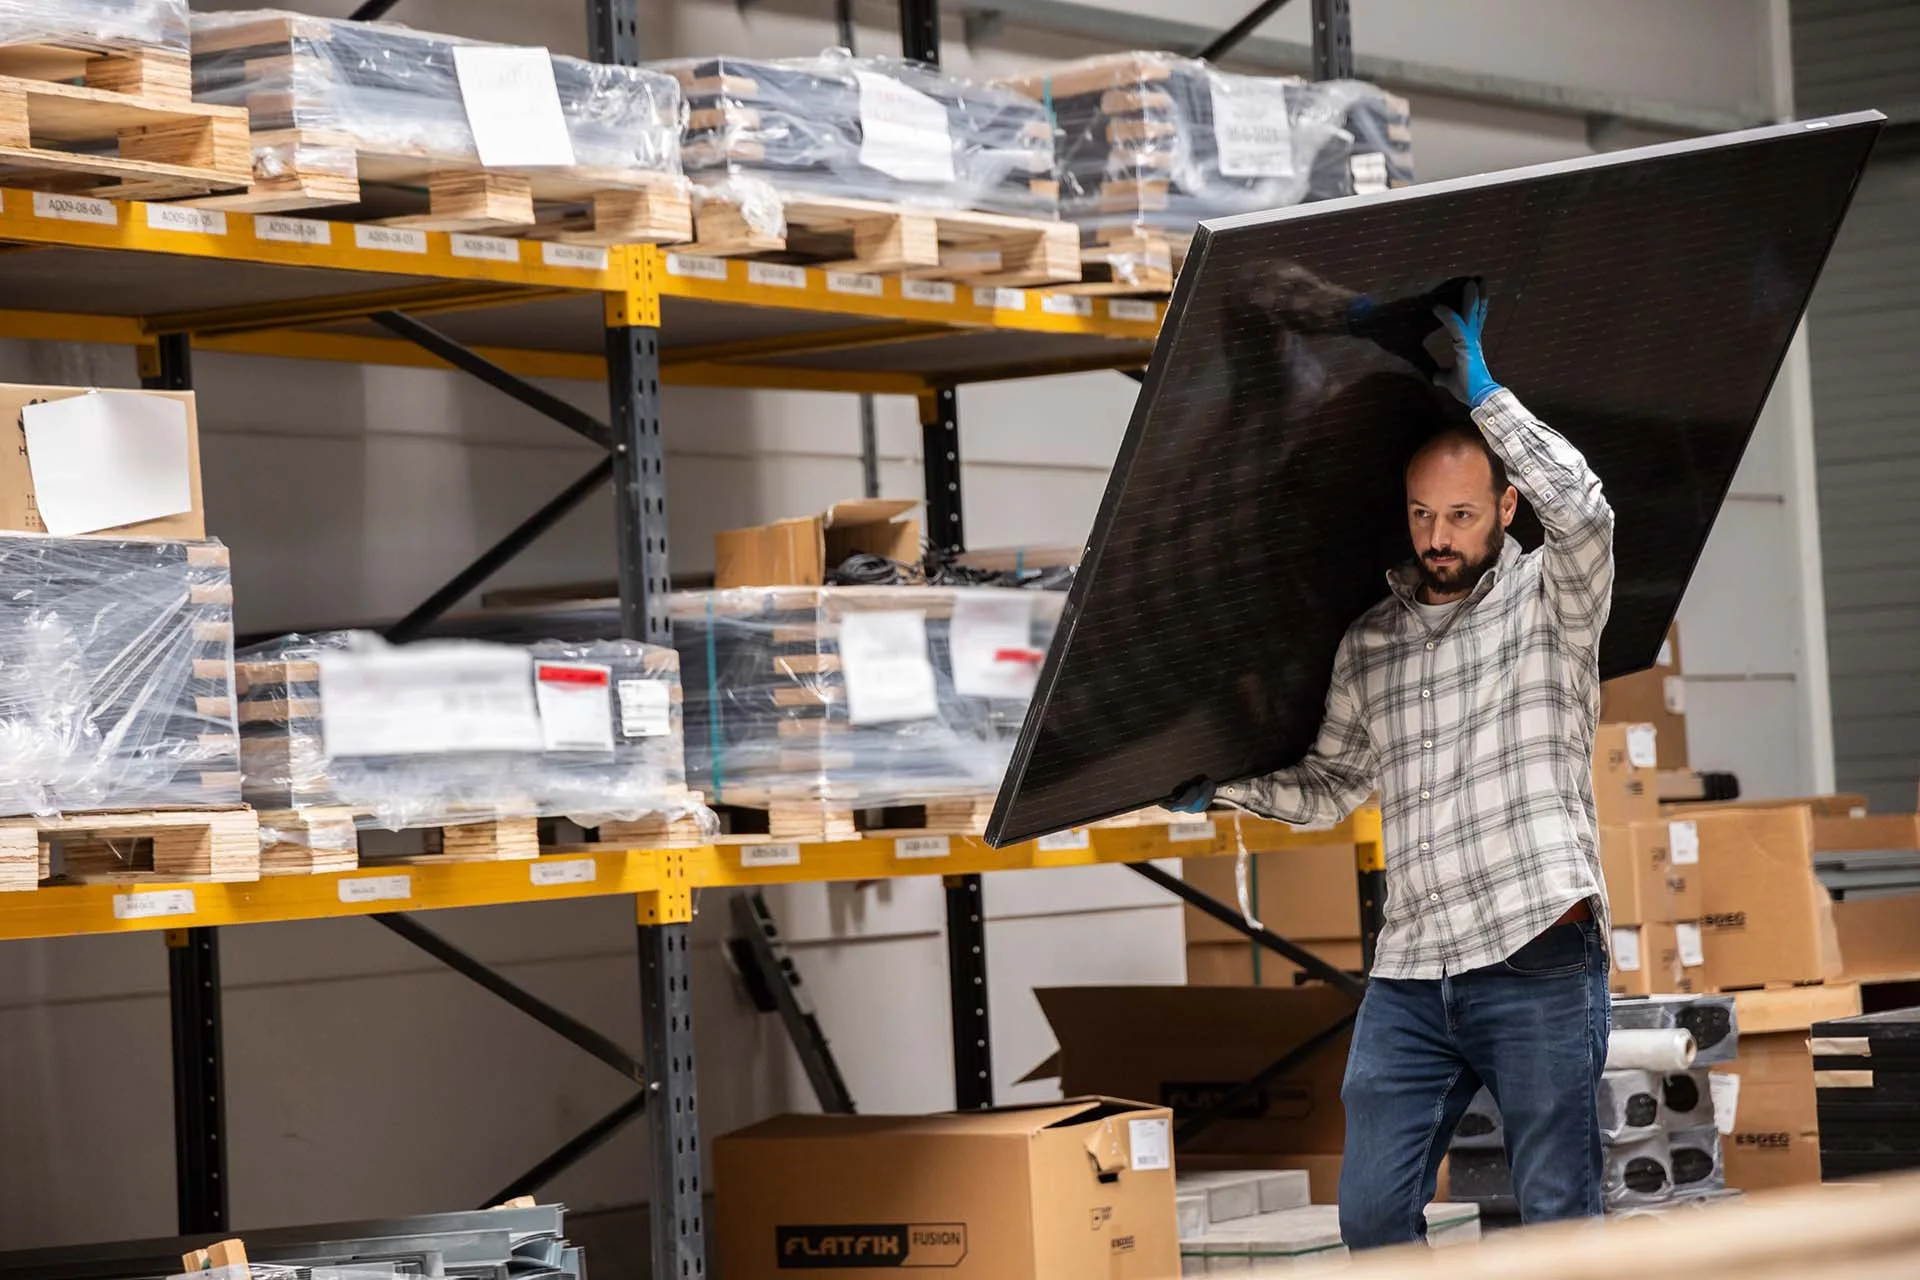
pixel 1865 353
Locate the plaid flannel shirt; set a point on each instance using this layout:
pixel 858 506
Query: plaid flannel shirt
pixel 1479 733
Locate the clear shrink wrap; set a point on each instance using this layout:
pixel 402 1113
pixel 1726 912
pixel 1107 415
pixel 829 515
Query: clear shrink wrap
pixel 856 697
pixel 90 24
pixel 451 731
pixel 860 128
pixel 319 90
pixel 116 675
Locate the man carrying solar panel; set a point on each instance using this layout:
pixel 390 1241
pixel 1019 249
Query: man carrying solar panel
pixel 1469 699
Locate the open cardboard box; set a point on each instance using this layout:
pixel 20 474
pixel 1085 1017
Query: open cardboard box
pixel 800 552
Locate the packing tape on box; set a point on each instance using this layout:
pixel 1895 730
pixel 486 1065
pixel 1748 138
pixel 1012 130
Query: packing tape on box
pixel 1670 1049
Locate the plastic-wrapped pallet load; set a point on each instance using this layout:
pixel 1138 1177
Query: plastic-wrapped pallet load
pixel 103 24
pixel 342 730
pixel 856 697
pixel 116 675
pixel 350 100
pixel 1155 141
pixel 864 129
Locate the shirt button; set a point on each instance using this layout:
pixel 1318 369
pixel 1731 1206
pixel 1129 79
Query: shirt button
pixel 1426 693
pixel 1425 844
pixel 1426 795
pixel 1427 745
pixel 1433 897
pixel 1429 644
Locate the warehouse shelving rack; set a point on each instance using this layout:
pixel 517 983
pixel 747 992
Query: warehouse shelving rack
pixel 636 317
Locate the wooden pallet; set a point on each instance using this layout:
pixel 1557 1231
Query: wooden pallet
pixel 783 818
pixel 304 169
pixel 1130 262
pixel 129 129
pixel 875 238
pixel 328 838
pixel 130 846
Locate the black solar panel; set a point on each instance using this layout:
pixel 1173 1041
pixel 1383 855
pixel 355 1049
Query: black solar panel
pixel 1641 304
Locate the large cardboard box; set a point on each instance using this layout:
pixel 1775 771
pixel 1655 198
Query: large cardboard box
pixel 1766 918
pixel 1635 861
pixel 19 510
pixel 1079 1190
pixel 800 552
pixel 1646 960
pixel 1849 834
pixel 1656 696
pixel 1297 893
pixel 1776 1130
pixel 1674 845
pixel 1246 964
pixel 1626 785
pixel 1879 937
pixel 1187 1047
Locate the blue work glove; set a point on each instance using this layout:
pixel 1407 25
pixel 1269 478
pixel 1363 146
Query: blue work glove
pixel 1468 379
pixel 1195 797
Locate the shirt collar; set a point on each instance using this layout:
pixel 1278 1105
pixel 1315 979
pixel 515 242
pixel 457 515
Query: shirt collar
pixel 1404 579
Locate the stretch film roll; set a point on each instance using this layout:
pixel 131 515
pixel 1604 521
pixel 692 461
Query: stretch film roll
pixel 1670 1049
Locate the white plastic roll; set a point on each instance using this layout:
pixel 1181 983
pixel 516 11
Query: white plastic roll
pixel 1670 1049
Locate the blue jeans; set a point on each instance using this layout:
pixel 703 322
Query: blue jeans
pixel 1533 1029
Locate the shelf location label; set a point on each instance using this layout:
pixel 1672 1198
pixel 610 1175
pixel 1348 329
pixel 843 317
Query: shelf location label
pixel 155 902
pixel 1066 304
pixel 928 291
pixel 174 217
pixel 564 871
pixel 1177 831
pixel 693 266
pixel 376 889
pixel 75 209
pixel 484 248
pixel 907 847
pixel 390 239
pixel 1132 312
pixel 292 230
pixel 1001 299
pixel 854 283
pixel 776 275
pixel 583 257
pixel 1064 841
pixel 769 855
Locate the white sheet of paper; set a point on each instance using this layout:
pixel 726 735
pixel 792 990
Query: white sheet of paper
pixel 903 132
pixel 107 459
pixel 885 663
pixel 993 653
pixel 1252 128
pixel 1642 749
pixel 1725 1088
pixel 1626 950
pixel 576 705
pixel 428 698
pixel 646 709
pixel 512 106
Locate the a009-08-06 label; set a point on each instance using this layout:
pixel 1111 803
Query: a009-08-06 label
pixel 861 1246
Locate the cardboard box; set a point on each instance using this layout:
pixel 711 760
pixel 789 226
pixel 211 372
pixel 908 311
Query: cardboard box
pixel 1646 960
pixel 1674 845
pixel 1297 893
pixel 987 1195
pixel 1246 964
pixel 1656 696
pixel 1776 1129
pixel 1898 831
pixel 1186 1047
pixel 19 511
pixel 799 552
pixel 1879 937
pixel 1626 786
pixel 1766 918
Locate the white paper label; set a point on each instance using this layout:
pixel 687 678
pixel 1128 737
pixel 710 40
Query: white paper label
pixel 75 209
pixel 292 230
pixel 1673 692
pixel 646 709
pixel 376 889
pixel 583 257
pixel 1066 304
pixel 903 132
pixel 575 709
pixel 1064 841
pixel 693 266
pixel 853 283
pixel 564 871
pixel 512 105
pixel 428 698
pixel 1132 312
pixel 1182 831
pixel 1626 950
pixel 389 239
pixel 992 644
pixel 1250 126
pixel 1642 749
pixel 157 902
pixel 1683 843
pixel 1665 657
pixel 1687 934
pixel 888 673
pixel 1724 1088
pixel 1151 1142
pixel 177 217
pixel 769 855
pixel 928 291
pixel 1369 173
pixel 106 459
pixel 484 248
pixel 909 847
pixel 776 276
pixel 1000 299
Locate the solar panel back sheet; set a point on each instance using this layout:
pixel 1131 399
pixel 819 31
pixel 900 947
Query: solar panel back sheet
pixel 1641 304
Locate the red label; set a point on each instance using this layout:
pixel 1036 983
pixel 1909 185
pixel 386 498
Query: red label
pixel 571 675
pixel 1033 656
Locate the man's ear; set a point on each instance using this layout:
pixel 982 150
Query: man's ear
pixel 1509 503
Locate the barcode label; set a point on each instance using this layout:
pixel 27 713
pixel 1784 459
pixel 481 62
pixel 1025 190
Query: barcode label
pixel 922 847
pixel 769 855
pixel 173 217
pixel 292 230
pixel 777 276
pixel 376 889
pixel 158 902
pixel 694 267
pixel 1683 843
pixel 390 239
pixel 485 248
pixel 1064 841
pixel 565 871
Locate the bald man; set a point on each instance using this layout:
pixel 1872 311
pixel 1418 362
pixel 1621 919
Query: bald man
pixel 1469 699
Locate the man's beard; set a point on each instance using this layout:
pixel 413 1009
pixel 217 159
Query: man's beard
pixel 1462 573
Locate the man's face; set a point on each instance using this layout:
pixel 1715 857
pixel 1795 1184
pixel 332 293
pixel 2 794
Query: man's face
pixel 1457 522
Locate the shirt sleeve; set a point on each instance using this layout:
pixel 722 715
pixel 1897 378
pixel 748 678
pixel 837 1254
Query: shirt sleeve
pixel 1336 776
pixel 1565 493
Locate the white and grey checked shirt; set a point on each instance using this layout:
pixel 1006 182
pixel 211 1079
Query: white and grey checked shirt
pixel 1477 734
